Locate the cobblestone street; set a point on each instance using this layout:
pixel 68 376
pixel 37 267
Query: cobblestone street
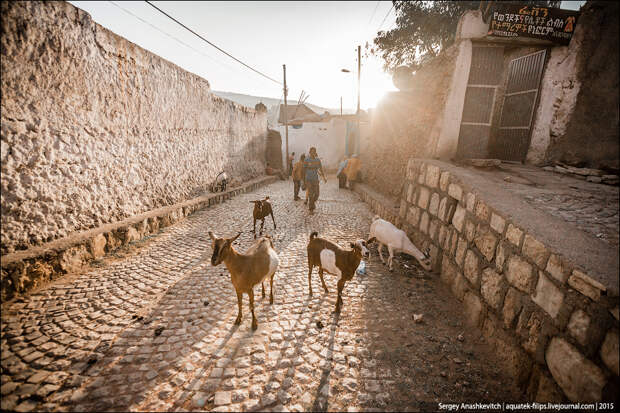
pixel 154 331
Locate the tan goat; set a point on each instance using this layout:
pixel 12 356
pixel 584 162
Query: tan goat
pixel 262 208
pixel 246 270
pixel 330 258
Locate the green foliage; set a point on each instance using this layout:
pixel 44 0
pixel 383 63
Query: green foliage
pixel 425 28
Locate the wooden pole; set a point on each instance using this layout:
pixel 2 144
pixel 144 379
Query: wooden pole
pixel 359 91
pixel 285 119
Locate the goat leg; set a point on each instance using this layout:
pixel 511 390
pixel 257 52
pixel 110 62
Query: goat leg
pixel 322 280
pixel 380 251
pixel 271 292
pixel 263 287
pixel 254 323
pixel 339 299
pixel 262 224
pixel 310 278
pixel 254 230
pixel 391 251
pixel 239 302
pixel 274 220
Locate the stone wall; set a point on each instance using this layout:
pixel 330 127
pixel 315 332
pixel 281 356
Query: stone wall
pixel 555 325
pixel 406 124
pixel 96 129
pixel 577 117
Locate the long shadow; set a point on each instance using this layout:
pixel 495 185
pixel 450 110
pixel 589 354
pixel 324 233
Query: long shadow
pixel 121 366
pixel 93 394
pixel 316 404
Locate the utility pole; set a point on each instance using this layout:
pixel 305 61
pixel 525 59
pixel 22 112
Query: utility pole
pixel 359 91
pixel 285 119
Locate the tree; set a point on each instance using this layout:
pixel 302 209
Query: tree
pixel 425 28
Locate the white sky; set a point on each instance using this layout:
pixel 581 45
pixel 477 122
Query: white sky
pixel 314 39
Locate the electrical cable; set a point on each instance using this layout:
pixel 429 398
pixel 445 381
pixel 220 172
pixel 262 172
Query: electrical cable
pixel 388 13
pixel 221 50
pixel 170 36
pixel 373 13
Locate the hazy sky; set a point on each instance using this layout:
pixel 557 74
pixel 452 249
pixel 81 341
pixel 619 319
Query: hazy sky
pixel 314 39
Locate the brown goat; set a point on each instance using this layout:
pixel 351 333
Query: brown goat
pixel 329 257
pixel 246 270
pixel 262 208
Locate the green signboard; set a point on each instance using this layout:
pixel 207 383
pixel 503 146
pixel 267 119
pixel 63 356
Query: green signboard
pixel 548 23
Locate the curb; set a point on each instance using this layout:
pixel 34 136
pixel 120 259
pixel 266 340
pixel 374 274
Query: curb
pixel 23 271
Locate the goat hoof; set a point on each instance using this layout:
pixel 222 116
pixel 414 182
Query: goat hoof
pixel 254 326
pixel 271 300
pixel 237 321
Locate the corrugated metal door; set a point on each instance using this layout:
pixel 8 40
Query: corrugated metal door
pixel 513 136
pixel 485 76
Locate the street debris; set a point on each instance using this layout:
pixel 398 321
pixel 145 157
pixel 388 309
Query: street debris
pixel 319 325
pixel 418 318
pixel 158 331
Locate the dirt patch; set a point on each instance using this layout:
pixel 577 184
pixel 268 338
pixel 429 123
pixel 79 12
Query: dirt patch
pixel 438 360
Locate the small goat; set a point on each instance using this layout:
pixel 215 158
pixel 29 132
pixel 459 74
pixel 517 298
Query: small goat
pixel 396 240
pixel 262 208
pixel 246 270
pixel 332 259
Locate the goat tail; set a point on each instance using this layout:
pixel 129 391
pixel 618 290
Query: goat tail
pixel 314 235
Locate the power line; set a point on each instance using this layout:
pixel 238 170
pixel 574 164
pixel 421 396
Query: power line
pixel 170 36
pixel 373 13
pixel 381 25
pixel 221 50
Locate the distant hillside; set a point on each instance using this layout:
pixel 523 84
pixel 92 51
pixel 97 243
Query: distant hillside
pixel 272 104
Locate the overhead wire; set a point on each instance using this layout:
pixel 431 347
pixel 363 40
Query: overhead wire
pixel 374 11
pixel 386 15
pixel 210 43
pixel 170 36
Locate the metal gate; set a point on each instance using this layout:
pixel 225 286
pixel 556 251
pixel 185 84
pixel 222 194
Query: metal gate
pixel 513 135
pixel 485 75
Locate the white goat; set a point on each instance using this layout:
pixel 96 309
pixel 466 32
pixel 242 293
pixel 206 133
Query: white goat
pixel 396 240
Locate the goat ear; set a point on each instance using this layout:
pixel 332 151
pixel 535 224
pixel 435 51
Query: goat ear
pixel 235 237
pixel 211 236
pixel 371 240
pixel 266 198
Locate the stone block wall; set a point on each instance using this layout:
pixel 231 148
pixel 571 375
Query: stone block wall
pixel 556 326
pixel 96 129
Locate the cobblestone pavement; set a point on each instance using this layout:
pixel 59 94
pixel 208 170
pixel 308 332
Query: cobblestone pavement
pixel 155 331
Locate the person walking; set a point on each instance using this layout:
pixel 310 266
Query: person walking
pixel 312 168
pixel 298 176
pixel 289 167
pixel 353 170
pixel 342 178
